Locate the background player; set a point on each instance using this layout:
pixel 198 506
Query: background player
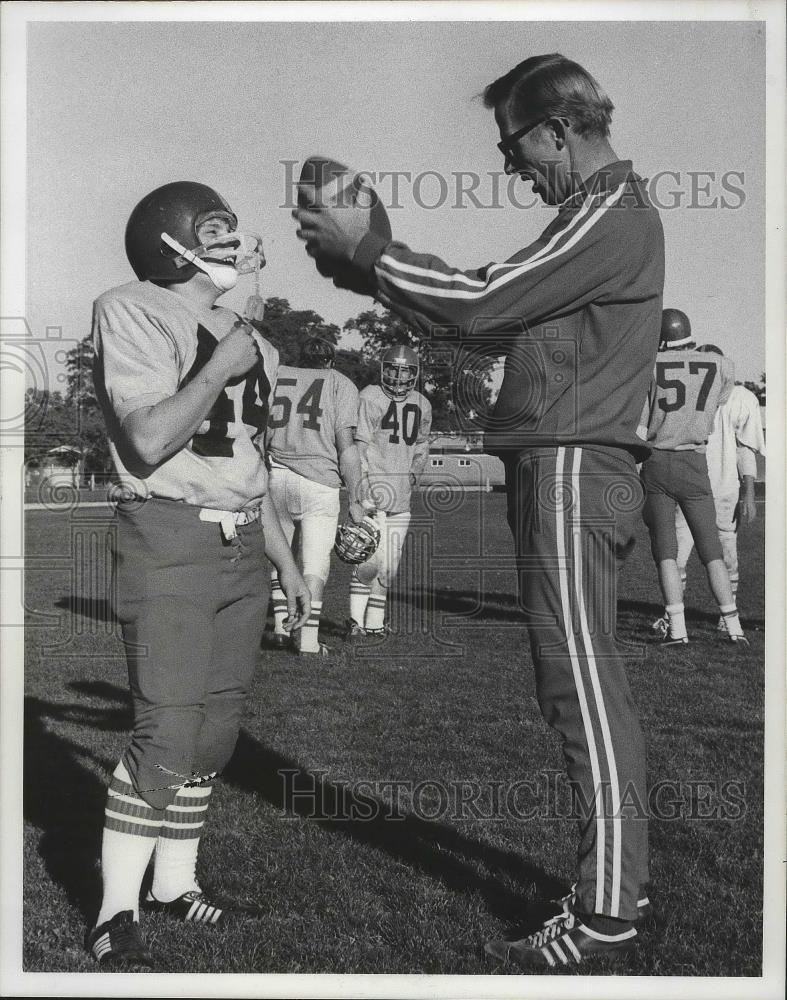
pixel 312 451
pixel 735 441
pixel 394 420
pixel 184 387
pixel 688 387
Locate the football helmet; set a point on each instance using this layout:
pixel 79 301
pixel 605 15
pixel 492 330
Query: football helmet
pixel 675 330
pixel 399 367
pixel 317 353
pixel 162 242
pixel 355 543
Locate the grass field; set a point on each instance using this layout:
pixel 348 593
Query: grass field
pixel 420 884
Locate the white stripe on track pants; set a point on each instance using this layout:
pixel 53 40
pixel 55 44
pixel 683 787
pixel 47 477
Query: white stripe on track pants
pixel 572 512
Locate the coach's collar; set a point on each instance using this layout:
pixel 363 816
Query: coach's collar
pixel 604 180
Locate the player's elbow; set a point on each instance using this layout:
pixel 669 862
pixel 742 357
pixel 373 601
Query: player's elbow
pixel 141 437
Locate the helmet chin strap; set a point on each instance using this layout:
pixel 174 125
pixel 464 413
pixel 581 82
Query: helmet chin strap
pixel 223 276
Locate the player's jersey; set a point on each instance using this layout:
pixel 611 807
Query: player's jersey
pixel 396 435
pixel 150 342
pixel 687 389
pixel 309 406
pixel 736 439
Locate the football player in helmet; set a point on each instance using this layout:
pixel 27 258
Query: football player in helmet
pixel 184 386
pixel 312 451
pixel 687 389
pixel 394 420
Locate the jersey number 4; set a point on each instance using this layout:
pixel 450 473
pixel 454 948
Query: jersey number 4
pixel 411 422
pixel 215 442
pixel 308 404
pixel 663 370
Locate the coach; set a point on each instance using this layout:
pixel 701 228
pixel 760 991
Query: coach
pixel 577 315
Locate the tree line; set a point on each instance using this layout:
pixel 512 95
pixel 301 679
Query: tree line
pixel 72 418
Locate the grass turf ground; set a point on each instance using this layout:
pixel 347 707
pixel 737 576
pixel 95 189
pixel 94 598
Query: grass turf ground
pixel 447 699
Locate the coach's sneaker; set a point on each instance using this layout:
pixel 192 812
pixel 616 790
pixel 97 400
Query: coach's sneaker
pixel 197 908
pixel 562 942
pixel 118 942
pixel 568 903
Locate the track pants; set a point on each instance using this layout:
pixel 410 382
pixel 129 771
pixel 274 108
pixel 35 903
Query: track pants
pixel 572 512
pixel 192 609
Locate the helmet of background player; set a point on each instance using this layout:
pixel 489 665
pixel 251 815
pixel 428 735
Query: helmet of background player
pixel 710 349
pixel 163 245
pixel 675 330
pixel 399 371
pixel 317 353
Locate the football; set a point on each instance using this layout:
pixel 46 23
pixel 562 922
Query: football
pixel 326 183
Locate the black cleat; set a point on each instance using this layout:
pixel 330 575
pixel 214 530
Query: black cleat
pixel 562 942
pixel 353 631
pixel 197 908
pixel 737 640
pixel 118 943
pixel 667 641
pixel 273 640
pixel 323 650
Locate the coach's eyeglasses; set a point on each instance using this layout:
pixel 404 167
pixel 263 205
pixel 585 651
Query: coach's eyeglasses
pixel 508 141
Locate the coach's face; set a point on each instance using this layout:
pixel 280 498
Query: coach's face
pixel 537 150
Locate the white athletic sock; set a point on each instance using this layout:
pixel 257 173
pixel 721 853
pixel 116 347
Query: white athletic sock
pixel 279 605
pixel 130 830
pixel 359 598
pixel 175 863
pixel 310 642
pixel 677 621
pixel 729 613
pixel 375 612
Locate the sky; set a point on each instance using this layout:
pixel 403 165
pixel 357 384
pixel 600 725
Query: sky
pixel 116 109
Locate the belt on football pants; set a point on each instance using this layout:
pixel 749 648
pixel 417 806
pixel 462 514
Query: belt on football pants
pixel 230 520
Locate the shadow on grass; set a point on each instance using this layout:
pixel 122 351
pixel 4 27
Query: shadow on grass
pixel 430 847
pixel 97 609
pixel 63 798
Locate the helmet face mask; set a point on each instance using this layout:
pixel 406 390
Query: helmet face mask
pixel 183 228
pixel 399 372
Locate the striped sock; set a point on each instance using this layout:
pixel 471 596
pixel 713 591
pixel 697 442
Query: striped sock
pixel 375 612
pixel 131 827
pixel 279 605
pixel 309 632
pixel 731 620
pixel 174 867
pixel 676 616
pixel 359 597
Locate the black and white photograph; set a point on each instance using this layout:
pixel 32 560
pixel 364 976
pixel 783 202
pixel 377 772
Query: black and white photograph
pixel 392 445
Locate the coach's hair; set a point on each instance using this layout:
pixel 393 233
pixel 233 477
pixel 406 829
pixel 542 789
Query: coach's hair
pixel 553 86
pixel 317 353
pixel 711 349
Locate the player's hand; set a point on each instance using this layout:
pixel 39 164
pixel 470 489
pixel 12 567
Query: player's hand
pixel 236 353
pixel 299 598
pixel 413 480
pixel 359 511
pixel 747 509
